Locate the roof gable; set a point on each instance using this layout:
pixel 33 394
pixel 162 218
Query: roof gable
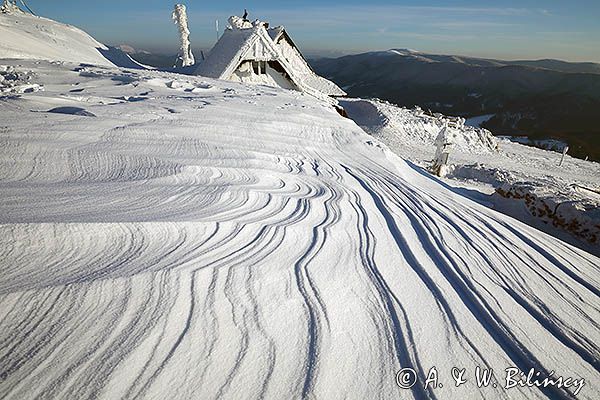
pixel 235 46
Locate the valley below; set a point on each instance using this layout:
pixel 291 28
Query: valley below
pixel 545 99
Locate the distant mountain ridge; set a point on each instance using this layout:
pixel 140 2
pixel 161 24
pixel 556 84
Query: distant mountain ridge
pixel 550 64
pixel 561 66
pixel 540 98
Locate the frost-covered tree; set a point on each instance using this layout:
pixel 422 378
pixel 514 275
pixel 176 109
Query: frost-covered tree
pixel 186 57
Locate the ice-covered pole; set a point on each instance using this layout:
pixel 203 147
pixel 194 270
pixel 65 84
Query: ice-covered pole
pixel 180 18
pixel 564 153
pixel 443 143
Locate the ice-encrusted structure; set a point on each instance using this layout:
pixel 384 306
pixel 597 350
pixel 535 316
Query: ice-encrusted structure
pixel 186 58
pixel 236 22
pixel 253 52
pixel 443 143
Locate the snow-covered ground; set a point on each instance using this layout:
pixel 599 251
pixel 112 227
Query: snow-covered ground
pixel 478 120
pixel 165 236
pixel 546 144
pixel 562 200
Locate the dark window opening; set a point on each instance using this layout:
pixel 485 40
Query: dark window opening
pixel 277 66
pixel 259 67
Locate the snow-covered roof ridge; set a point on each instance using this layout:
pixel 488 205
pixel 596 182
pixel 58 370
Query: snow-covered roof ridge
pixel 238 23
pixel 228 51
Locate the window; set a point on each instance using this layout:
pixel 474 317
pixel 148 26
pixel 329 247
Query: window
pixel 259 67
pixel 276 66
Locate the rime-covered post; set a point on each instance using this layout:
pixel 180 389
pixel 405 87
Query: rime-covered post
pixel 186 57
pixel 444 143
pixel 565 149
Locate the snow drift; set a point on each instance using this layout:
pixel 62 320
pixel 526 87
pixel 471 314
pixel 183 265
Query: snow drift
pixel 25 36
pixel 207 239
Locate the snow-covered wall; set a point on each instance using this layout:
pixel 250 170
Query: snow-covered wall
pixel 260 52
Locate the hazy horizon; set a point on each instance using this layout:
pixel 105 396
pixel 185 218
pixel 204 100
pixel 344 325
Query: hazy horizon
pixel 508 30
pixel 311 53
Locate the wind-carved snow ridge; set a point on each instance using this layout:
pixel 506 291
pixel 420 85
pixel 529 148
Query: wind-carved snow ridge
pixel 186 58
pixel 206 239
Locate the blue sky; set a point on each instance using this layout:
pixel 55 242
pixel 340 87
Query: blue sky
pixel 525 29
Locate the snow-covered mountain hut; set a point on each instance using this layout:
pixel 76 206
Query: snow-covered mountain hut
pixel 252 52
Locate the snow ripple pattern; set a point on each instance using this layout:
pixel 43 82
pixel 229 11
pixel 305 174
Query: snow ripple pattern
pixel 256 245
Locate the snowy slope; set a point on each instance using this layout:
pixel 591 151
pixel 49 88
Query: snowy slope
pixel 27 36
pixel 164 236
